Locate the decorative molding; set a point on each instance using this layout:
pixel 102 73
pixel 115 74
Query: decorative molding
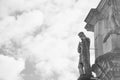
pixel 91 20
pixel 102 4
pixel 93 12
pixel 95 15
pixel 89 27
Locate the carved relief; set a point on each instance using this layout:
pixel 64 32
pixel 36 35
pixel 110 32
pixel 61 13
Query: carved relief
pixel 115 17
pixel 107 66
pixel 107 41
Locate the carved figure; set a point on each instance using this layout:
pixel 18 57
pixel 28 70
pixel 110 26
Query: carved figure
pixel 107 66
pixel 115 19
pixel 83 50
pixel 115 31
pixel 80 65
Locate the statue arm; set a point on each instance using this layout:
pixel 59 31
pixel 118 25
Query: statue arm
pixel 116 25
pixel 79 47
pixel 107 36
pixel 116 31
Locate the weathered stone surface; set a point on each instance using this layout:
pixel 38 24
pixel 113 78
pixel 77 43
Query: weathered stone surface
pixel 83 49
pixel 107 39
pixel 107 66
pixel 85 77
pixel 107 20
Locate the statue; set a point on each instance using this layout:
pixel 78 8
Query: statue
pixel 84 62
pixel 107 66
pixel 109 63
pixel 115 19
pixel 113 31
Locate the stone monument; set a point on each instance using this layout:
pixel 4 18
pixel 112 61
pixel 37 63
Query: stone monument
pixel 104 21
pixel 84 61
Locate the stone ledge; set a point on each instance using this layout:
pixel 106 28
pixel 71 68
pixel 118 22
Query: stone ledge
pixel 94 16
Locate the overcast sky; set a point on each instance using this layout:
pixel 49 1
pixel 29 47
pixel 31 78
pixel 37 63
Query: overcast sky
pixel 38 38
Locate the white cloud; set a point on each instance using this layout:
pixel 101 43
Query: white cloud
pixel 53 57
pixel 10 68
pixel 24 25
pixel 54 51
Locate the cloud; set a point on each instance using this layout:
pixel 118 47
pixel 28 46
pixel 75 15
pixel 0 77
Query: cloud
pixel 53 53
pixel 46 31
pixel 8 6
pixel 10 68
pixel 26 23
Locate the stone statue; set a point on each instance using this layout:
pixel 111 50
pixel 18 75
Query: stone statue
pixel 80 65
pixel 107 66
pixel 115 17
pixel 84 62
pixel 115 31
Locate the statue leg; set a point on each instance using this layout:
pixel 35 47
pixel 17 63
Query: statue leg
pixel 87 67
pixel 80 67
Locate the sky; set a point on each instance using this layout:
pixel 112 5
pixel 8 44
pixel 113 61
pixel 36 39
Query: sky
pixel 38 38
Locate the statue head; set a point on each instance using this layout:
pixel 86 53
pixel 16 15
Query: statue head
pixel 81 35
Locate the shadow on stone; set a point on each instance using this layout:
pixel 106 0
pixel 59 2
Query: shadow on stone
pixel 85 77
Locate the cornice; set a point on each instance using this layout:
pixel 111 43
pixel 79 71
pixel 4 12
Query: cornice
pixel 95 15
